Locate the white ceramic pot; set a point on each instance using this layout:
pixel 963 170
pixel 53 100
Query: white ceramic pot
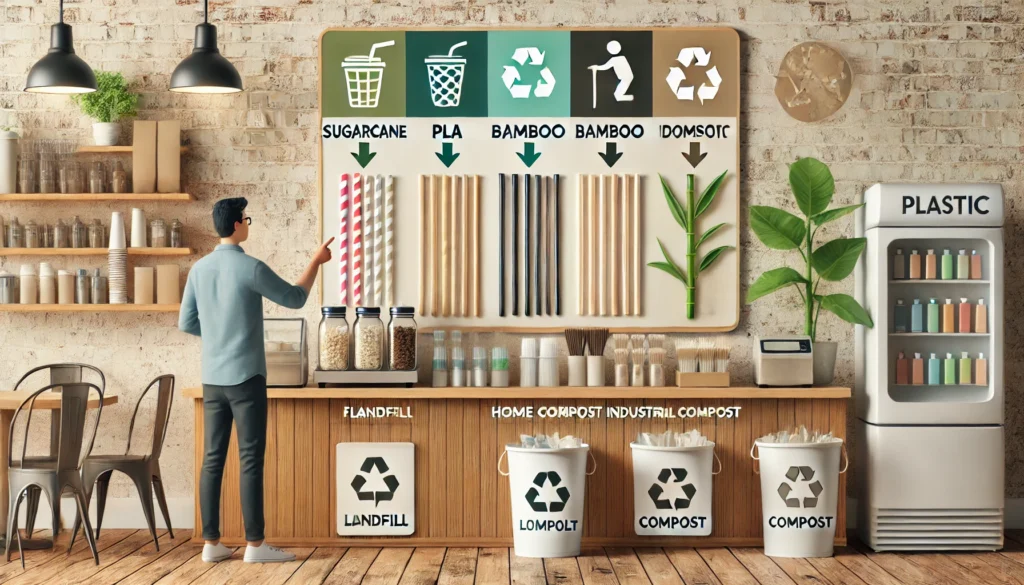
pixel 106 133
pixel 8 162
pixel 825 362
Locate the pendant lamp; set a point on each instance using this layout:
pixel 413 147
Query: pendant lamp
pixel 61 70
pixel 206 70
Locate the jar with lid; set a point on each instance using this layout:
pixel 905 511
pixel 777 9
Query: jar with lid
pixel 70 176
pixel 31 234
pixel 49 175
pixel 402 339
pixel 369 343
pixel 157 234
pixel 96 177
pixel 47 284
pixel 65 287
pixel 26 176
pixel 29 285
pixel 8 288
pixel 99 288
pixel 96 234
pixel 79 234
pixel 177 235
pixel 61 238
pixel 119 179
pixel 83 288
pixel 333 339
pixel 47 234
pixel 15 235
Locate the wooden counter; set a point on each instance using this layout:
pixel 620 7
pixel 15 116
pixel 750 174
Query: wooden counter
pixel 460 498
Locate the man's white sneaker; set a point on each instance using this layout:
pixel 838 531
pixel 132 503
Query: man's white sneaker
pixel 265 553
pixel 215 553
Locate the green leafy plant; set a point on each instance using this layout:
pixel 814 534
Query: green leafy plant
pixel 813 187
pixel 111 101
pixel 686 215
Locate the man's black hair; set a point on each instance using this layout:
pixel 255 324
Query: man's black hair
pixel 226 213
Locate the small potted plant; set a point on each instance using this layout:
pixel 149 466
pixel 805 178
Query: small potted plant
pixel 813 187
pixel 109 103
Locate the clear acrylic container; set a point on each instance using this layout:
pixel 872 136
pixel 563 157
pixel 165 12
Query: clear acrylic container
pixel 97 234
pixel 31 234
pixel 15 234
pixel 333 339
pixel 157 234
pixel 79 234
pixel 61 235
pixel 177 234
pixel 369 339
pixel 119 179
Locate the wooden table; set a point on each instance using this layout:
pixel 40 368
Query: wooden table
pixel 460 498
pixel 9 402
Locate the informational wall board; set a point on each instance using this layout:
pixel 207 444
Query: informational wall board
pixel 408 106
pixel 376 489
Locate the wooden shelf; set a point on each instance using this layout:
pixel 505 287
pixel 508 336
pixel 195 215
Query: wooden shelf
pixel 112 149
pixel 129 308
pixel 559 393
pixel 93 251
pixel 80 197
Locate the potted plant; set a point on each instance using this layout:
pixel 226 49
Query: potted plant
pixel 109 103
pixel 813 187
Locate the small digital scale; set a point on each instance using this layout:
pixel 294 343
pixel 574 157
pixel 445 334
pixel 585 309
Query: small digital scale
pixel 783 361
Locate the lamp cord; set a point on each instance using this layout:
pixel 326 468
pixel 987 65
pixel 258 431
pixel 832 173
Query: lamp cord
pixel 206 11
pixel 62 11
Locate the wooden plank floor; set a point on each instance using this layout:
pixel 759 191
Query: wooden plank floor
pixel 129 557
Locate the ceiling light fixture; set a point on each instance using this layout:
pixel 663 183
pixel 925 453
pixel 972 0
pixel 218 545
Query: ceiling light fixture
pixel 206 70
pixel 61 70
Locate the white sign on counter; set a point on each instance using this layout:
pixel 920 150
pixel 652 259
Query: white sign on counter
pixel 376 485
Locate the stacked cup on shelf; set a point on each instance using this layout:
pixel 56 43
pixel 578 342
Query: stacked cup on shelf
pixel 117 260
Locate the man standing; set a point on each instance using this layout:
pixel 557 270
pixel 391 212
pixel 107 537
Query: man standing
pixel 223 304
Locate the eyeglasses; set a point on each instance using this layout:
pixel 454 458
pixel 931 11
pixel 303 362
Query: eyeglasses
pixel 247 220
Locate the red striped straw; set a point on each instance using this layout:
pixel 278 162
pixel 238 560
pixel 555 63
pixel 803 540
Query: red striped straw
pixel 343 239
pixel 357 240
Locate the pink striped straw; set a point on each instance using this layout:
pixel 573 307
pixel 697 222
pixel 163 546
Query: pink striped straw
pixel 343 239
pixel 357 240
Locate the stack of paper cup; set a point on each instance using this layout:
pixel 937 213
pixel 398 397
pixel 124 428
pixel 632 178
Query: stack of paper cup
pixel 117 258
pixel 138 228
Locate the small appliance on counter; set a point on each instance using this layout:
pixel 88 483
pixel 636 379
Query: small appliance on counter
pixel 784 361
pixel 284 341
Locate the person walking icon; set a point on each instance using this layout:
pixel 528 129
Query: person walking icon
pixel 620 66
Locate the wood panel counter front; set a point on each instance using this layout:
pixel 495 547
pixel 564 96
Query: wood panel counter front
pixel 461 500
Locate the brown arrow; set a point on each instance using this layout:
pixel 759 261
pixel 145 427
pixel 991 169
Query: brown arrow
pixel 695 156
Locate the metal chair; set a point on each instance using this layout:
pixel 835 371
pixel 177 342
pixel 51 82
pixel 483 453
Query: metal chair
pixel 144 470
pixel 53 477
pixel 58 374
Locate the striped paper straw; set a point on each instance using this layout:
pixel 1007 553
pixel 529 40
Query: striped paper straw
pixel 368 240
pixel 389 227
pixel 357 240
pixel 378 242
pixel 343 239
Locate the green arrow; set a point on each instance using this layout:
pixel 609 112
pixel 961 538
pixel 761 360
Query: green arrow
pixel 446 155
pixel 611 154
pixel 365 156
pixel 529 155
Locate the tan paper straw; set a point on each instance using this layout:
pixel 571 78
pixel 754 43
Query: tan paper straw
pixel 615 242
pixel 627 249
pixel 446 247
pixel 389 228
pixel 464 256
pixel 474 248
pixel 637 214
pixel 582 255
pixel 456 239
pixel 425 247
pixel 437 202
pixel 593 209
pixel 602 245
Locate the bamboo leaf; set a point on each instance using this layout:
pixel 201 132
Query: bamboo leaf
pixel 707 196
pixel 812 184
pixel 708 234
pixel 834 214
pixel 847 308
pixel 777 229
pixel 673 204
pixel 835 260
pixel 711 256
pixel 772 281
pixel 670 261
pixel 666 267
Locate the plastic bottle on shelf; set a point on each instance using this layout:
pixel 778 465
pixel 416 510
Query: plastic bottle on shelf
pixel 933 316
pixel 929 265
pixel 981 370
pixel 914 269
pixel 947 265
pixel 916 317
pixel 981 317
pixel 948 317
pixel 917 370
pixel 934 370
pixel 899 265
pixel 902 369
pixel 963 265
pixel 901 317
pixel 975 265
pixel 964 318
pixel 965 368
pixel 949 369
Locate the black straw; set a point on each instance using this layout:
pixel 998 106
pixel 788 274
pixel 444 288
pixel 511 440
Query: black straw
pixel 537 253
pixel 501 244
pixel 558 248
pixel 527 232
pixel 515 244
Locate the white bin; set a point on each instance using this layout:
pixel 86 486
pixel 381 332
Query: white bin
pixel 548 487
pixel 799 496
pixel 672 489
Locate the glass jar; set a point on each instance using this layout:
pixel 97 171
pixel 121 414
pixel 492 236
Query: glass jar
pixel 71 176
pixel 119 179
pixel 333 339
pixel 369 343
pixel 96 178
pixel 402 339
pixel 8 288
pixel 96 234
pixel 15 235
pixel 177 235
pixel 83 288
pixel 47 233
pixel 99 288
pixel 49 175
pixel 31 234
pixel 26 176
pixel 61 237
pixel 157 234
pixel 79 235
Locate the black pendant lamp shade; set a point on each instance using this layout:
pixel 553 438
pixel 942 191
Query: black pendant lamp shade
pixel 206 70
pixel 61 70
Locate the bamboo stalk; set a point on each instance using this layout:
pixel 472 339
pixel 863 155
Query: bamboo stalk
pixel 446 247
pixel 627 241
pixel 691 245
pixel 464 256
pixel 602 243
pixel 435 245
pixel 582 249
pixel 637 264
pixel 615 243
pixel 475 247
pixel 424 185
pixel 593 209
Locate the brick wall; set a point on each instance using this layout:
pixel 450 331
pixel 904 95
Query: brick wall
pixel 937 97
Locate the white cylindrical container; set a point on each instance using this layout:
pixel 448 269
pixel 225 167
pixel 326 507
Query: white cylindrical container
pixel 138 228
pixel 29 294
pixel 547 367
pixel 47 284
pixel 638 375
pixel 548 488
pixel 499 378
pixel 8 162
pixel 117 231
pixel 440 379
pixel 595 370
pixel 65 287
pixel 657 375
pixel 672 490
pixel 799 496
pixel 621 375
pixel 528 372
pixel 577 370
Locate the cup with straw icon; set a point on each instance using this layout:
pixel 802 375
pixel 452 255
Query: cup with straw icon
pixel 363 77
pixel 445 74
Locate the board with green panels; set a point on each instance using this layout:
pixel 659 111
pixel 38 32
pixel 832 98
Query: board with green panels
pixel 644 103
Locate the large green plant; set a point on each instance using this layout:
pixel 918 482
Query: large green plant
pixel 813 187
pixel 686 216
pixel 111 101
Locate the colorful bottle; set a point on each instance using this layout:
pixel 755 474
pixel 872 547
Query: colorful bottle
pixel 949 367
pixel 914 269
pixel 947 265
pixel 963 265
pixel 917 370
pixel 948 317
pixel 933 316
pixel 899 265
pixel 901 317
pixel 975 265
pixel 981 370
pixel 965 368
pixel 964 320
pixel 981 317
pixel 929 265
pixel 902 369
pixel 916 317
pixel 934 371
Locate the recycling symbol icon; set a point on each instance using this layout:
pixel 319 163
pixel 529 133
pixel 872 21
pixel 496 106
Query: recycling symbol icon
pixel 804 474
pixel 390 481
pixel 676 76
pixel 677 476
pixel 512 78
pixel 534 493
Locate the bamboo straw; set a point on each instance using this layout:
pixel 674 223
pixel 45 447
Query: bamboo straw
pixel 637 213
pixel 593 210
pixel 501 244
pixel 458 230
pixel 602 243
pixel 425 247
pixel 582 249
pixel 615 242
pixel 435 244
pixel 474 248
pixel 446 247
pixel 466 232
pixel 627 252
pixel 389 230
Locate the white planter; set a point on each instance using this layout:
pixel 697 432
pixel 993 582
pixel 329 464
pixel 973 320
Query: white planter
pixel 825 362
pixel 106 133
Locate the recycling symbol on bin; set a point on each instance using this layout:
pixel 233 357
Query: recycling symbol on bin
pixel 676 77
pixel 805 475
pixel 511 77
pixel 677 476
pixel 389 480
pixel 534 493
